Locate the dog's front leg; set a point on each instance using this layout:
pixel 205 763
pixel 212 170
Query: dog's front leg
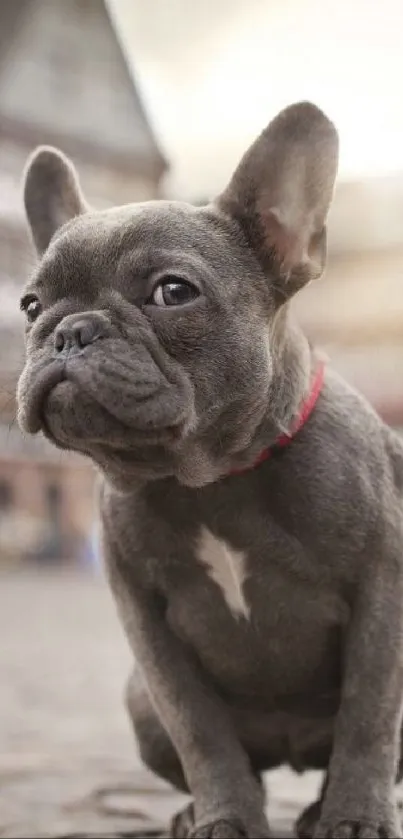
pixel 360 801
pixel 228 799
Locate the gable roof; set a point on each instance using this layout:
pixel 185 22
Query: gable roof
pixel 64 80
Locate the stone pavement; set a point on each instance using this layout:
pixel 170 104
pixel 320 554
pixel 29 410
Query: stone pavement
pixel 67 758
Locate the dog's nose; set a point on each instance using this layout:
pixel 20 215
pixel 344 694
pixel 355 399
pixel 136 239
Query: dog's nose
pixel 73 336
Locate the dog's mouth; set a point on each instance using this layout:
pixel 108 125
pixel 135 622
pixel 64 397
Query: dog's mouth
pixel 109 397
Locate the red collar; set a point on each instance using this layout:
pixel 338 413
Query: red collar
pixel 304 414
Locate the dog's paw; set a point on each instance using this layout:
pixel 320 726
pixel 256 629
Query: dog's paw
pixel 227 825
pixel 183 827
pixel 230 828
pixel 362 827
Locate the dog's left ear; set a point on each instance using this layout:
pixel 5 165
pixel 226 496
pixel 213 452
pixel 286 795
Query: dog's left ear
pixel 281 193
pixel 52 194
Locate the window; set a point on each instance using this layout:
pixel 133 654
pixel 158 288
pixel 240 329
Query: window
pixel 6 496
pixel 16 256
pixel 53 497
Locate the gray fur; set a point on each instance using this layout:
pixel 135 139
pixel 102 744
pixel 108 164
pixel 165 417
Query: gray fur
pixel 306 668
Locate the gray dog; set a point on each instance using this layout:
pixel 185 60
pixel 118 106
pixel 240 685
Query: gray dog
pixel 251 501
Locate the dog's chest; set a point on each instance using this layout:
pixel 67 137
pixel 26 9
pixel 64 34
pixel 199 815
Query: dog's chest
pixel 254 627
pixel 227 568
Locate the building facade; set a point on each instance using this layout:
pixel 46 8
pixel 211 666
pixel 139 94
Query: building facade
pixel 355 312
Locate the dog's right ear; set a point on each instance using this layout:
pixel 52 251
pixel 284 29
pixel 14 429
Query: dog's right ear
pixel 281 192
pixel 52 194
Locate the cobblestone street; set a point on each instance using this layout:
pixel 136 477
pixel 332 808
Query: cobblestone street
pixel 67 760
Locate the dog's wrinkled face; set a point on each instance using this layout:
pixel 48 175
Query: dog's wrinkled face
pixel 153 329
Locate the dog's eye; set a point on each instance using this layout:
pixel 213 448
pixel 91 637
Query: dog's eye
pixel 31 306
pixel 173 292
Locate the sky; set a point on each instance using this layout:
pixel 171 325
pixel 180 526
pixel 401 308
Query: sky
pixel 213 74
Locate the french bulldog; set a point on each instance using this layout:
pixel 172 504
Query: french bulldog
pixel 260 584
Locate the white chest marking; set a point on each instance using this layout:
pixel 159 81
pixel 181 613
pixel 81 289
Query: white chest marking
pixel 227 568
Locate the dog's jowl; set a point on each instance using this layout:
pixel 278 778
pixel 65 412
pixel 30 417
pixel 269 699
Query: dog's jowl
pixel 251 500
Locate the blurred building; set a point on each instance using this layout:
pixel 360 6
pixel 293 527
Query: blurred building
pixel 64 81
pixel 356 311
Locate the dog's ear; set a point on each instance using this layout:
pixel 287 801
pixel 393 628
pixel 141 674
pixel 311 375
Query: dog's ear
pixel 281 192
pixel 52 194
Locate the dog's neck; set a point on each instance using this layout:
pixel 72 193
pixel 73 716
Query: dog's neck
pixel 238 448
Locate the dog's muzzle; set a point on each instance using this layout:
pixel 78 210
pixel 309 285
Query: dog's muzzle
pixel 93 386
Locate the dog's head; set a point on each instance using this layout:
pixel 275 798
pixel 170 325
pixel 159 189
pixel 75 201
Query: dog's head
pixel 156 333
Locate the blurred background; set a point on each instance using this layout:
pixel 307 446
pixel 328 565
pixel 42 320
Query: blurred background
pixel 159 98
